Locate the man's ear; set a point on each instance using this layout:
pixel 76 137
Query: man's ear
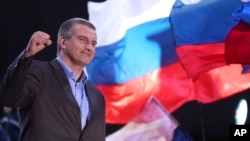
pixel 62 42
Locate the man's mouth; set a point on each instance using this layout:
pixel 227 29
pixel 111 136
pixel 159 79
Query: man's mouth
pixel 85 53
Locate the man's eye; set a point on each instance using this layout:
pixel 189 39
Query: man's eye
pixel 94 44
pixel 82 39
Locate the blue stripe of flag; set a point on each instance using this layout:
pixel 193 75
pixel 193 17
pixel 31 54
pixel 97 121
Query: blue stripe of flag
pixel 208 21
pixel 144 48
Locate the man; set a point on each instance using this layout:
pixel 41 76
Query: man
pixel 55 99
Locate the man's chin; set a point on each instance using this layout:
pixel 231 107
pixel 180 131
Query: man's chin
pixel 86 62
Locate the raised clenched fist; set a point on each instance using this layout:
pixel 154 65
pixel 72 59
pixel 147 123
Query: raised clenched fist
pixel 38 41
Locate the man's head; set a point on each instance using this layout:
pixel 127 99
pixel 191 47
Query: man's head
pixel 76 41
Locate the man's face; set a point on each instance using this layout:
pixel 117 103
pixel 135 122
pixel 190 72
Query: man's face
pixel 80 47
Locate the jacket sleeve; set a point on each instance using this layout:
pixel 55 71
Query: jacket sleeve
pixel 18 86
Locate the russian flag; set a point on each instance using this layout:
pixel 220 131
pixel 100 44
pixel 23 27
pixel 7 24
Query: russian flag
pixel 136 58
pixel 200 30
pixel 237 43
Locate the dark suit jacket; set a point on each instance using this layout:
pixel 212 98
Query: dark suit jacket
pixel 48 109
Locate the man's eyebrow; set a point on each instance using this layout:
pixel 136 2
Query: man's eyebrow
pixel 82 36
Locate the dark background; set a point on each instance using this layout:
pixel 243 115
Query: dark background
pixel 20 18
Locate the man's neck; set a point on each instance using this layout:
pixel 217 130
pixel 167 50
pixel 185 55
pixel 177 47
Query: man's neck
pixel 78 70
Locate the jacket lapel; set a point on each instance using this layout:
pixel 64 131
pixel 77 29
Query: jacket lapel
pixel 63 81
pixel 92 107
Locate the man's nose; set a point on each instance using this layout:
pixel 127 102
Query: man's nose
pixel 89 46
